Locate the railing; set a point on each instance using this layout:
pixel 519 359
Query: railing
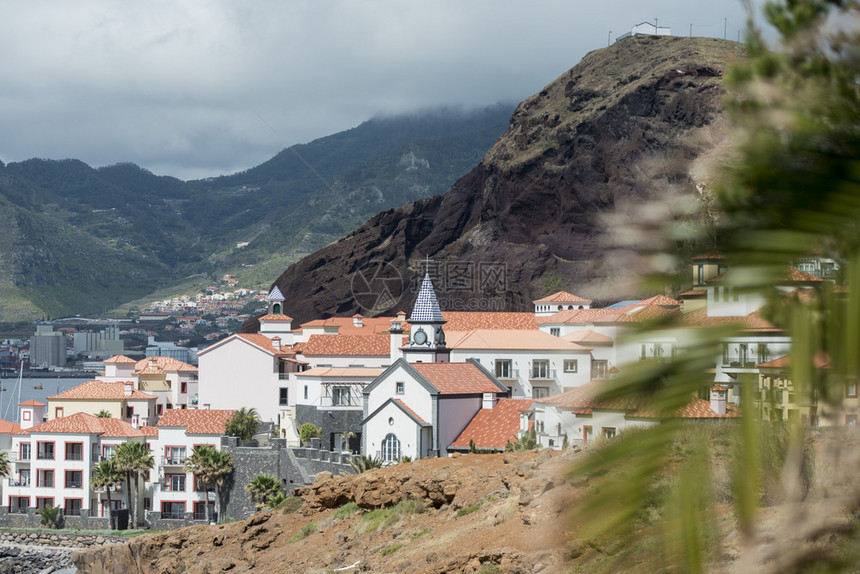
pixel 74 484
pixel 25 482
pixel 543 374
pixel 173 514
pixel 75 456
pixel 18 457
pixel 173 460
pixel 72 511
pixel 283 376
pixel 17 509
pixel 341 402
pixel 46 484
pixel 513 374
pixel 45 456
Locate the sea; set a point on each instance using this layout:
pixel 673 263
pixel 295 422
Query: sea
pixel 31 388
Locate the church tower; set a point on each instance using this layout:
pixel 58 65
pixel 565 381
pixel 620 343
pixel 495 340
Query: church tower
pixel 275 301
pixel 426 336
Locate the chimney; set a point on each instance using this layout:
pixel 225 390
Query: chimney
pixel 489 401
pixel 129 388
pixel 357 320
pixel 718 399
pixel 276 343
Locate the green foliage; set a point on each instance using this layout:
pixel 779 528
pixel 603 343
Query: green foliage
pixel 262 488
pixel 304 532
pixel 405 458
pixel 212 467
pixel 289 505
pixel 565 443
pixel 308 431
pixel 276 500
pixel 474 507
pixel 133 459
pixel 347 509
pixel 105 475
pixel 391 549
pixel 363 463
pixel 103 414
pixel 49 515
pixel 420 533
pixel 472 449
pixel 526 442
pixel 382 518
pixel 790 191
pixel 243 424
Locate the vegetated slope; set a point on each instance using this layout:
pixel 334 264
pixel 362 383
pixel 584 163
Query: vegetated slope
pixel 501 511
pixel 83 239
pixel 619 130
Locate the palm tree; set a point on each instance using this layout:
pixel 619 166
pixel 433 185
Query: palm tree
pixel 106 475
pixel 134 458
pixel 211 468
pixel 103 414
pixel 263 487
pixel 4 463
pixel 243 424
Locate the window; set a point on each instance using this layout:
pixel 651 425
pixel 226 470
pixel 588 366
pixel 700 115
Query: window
pixel 72 506
pixel 174 454
pixel 45 450
pixel 540 369
pixel 183 387
pixel 147 503
pixel 74 479
pixel 340 396
pixel 45 478
pixel 540 392
pixel 598 369
pixel 571 365
pixel 503 368
pixel 129 412
pixel 283 394
pixel 399 387
pixel 23 478
pixel 174 482
pixel 851 420
pixel 43 501
pixel 555 331
pixel 390 448
pixel 58 412
pixel 306 392
pixel 609 432
pixel 25 451
pixel 108 450
pixel 74 451
pixel 175 510
pixel 851 390
pixel 26 415
pixel 18 504
pixel 200 510
pixel 159 409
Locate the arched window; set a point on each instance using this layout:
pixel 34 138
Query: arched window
pixel 390 448
pixel 276 309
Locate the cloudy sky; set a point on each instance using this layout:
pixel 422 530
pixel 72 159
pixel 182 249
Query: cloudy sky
pixel 198 88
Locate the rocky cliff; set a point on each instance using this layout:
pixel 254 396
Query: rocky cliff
pixel 610 144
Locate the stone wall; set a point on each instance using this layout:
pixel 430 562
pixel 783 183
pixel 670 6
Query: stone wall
pixel 32 520
pixel 332 421
pixel 45 551
pixel 294 467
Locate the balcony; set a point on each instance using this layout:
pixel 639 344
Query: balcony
pixel 13 482
pixel 74 484
pixel 45 456
pixel 508 375
pixel 542 375
pixel 18 458
pixel 173 461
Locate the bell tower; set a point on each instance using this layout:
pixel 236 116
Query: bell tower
pixel 426 334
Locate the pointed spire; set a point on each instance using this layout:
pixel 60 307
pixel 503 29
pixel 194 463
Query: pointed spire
pixel 426 307
pixel 275 294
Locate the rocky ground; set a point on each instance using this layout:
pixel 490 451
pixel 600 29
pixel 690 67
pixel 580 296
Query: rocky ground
pixel 476 513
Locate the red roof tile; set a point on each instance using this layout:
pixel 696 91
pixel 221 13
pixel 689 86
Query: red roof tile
pixel 821 361
pixel 467 321
pixel 265 343
pixel 85 423
pixel 32 403
pixel 345 326
pixel 160 365
pixel 456 378
pixel 119 359
pixel 275 317
pixel 562 297
pixel 197 421
pixel 346 345
pixel 100 390
pixel 753 322
pixel 7 427
pixel 493 428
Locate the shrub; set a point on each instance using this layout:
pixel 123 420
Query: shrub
pixel 304 532
pixel 363 463
pixel 391 549
pixel 49 515
pixel 308 431
pixel 347 509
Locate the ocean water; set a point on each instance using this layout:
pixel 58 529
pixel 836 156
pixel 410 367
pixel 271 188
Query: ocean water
pixel 9 397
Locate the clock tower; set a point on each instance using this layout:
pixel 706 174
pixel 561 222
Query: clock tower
pixel 426 336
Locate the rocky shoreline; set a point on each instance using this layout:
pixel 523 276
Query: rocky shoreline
pixel 45 552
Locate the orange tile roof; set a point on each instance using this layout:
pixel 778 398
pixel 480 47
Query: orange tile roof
pixel 753 322
pixel 467 320
pixel 275 317
pixel 456 378
pixel 197 421
pixel 370 325
pixel 661 300
pixel 493 428
pixel 32 403
pixel 119 359
pixel 588 338
pixel 7 427
pixel 508 339
pixel 149 431
pixel 100 390
pixel 629 314
pixel 265 343
pixel 85 423
pixel 710 255
pixel 586 398
pixel 820 361
pixel 160 365
pixel 694 293
pixel 562 297
pixel 346 345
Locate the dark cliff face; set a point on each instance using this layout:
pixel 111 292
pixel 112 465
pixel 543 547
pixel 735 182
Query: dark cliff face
pixel 614 134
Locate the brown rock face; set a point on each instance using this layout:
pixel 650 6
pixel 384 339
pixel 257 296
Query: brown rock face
pixel 612 135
